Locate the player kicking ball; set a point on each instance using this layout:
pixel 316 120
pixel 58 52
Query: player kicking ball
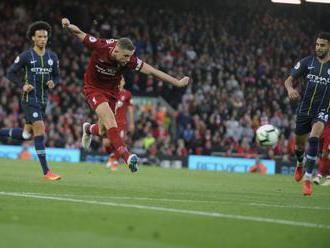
pixel 124 113
pixel 108 61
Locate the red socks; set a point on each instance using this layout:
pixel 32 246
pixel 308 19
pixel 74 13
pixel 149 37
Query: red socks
pixel 118 144
pixel 94 129
pixel 111 149
pixel 324 166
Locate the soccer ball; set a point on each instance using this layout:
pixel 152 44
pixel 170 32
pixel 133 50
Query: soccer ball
pixel 267 135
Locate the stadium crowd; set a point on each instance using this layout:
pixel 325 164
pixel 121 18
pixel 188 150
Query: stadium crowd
pixel 237 71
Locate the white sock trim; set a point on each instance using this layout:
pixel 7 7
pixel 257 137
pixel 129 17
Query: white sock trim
pixel 308 176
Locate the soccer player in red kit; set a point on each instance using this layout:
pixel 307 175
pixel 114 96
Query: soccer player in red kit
pixel 109 59
pixel 324 162
pixel 123 107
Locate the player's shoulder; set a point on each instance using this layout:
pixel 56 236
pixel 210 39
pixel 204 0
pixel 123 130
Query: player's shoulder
pixel 51 53
pixel 108 43
pixel 26 53
pixel 103 42
pixel 308 59
pixel 302 63
pixel 23 56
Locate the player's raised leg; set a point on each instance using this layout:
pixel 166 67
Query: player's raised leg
pixel 15 133
pixel 107 118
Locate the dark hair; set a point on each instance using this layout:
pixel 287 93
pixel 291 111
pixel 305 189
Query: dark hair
pixel 324 36
pixel 126 43
pixel 38 25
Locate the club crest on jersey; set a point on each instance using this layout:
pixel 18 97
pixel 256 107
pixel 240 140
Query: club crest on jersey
pixel 50 62
pixel 297 66
pixel 92 39
pixel 35 115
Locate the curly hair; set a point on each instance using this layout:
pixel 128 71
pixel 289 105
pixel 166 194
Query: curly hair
pixel 38 25
pixel 324 36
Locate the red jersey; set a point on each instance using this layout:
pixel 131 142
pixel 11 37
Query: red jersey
pixel 326 132
pixel 102 72
pixel 124 101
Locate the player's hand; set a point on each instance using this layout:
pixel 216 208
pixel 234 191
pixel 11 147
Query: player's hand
pixel 293 94
pixel 65 22
pixel 50 84
pixel 28 87
pixel 183 82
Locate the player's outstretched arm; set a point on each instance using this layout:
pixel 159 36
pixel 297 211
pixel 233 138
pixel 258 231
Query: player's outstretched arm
pixel 149 70
pixel 73 29
pixel 293 93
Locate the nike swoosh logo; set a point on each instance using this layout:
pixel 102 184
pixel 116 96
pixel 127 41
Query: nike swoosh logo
pixel 33 61
pixel 310 67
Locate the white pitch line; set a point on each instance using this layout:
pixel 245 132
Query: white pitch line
pixel 288 206
pixel 124 197
pixel 142 198
pixel 222 201
pixel 218 202
pixel 174 210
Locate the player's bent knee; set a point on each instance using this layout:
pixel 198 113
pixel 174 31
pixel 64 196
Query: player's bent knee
pixel 38 128
pixel 109 123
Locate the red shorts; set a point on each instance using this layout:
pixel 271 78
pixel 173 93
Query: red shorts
pixel 97 96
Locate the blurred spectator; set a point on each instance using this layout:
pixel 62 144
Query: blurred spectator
pixel 25 154
pixel 259 167
pixel 237 71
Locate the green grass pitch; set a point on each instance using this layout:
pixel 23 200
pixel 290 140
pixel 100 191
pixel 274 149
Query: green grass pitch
pixel 94 207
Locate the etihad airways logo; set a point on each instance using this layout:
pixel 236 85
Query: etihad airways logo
pixel 318 80
pixel 40 70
